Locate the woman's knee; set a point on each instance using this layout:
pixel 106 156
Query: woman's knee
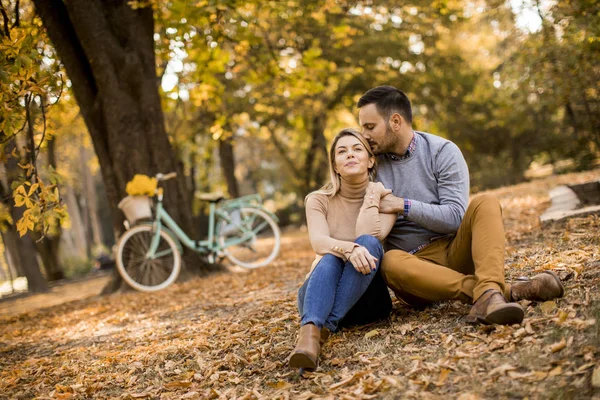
pixel 371 243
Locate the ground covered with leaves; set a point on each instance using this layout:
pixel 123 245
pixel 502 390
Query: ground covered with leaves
pixel 229 335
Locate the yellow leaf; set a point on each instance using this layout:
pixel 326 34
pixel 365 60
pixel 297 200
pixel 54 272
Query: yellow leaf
pixel 443 376
pixel 372 333
pixel 548 306
pixel 32 189
pixel 19 200
pixel 556 371
pixel 558 346
pixel 178 384
pixel 596 377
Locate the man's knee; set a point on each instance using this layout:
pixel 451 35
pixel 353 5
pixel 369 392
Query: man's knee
pixel 486 200
pixel 394 267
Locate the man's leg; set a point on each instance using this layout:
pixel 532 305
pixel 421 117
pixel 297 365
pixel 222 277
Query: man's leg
pixel 478 246
pixel 420 279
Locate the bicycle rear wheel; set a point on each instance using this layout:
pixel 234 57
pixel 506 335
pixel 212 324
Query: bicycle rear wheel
pixel 251 240
pixel 142 272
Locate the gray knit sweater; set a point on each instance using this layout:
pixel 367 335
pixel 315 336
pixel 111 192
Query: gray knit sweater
pixel 435 179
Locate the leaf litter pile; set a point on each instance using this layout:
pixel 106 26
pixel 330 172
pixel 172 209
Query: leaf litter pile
pixel 229 335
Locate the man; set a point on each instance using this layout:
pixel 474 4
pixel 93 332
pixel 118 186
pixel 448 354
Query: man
pixel 441 247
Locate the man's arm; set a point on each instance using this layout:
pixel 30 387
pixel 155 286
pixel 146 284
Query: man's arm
pixel 453 193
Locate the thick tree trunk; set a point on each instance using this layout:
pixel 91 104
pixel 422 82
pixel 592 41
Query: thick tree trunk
pixel 108 51
pixel 227 160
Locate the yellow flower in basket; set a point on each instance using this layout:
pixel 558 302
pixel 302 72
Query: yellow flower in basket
pixel 141 185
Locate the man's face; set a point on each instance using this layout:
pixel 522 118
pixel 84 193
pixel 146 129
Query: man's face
pixel 375 130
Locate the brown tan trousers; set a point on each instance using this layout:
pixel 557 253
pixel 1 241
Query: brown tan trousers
pixel 461 267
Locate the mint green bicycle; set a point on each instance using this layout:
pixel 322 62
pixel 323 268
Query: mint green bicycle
pixel 149 252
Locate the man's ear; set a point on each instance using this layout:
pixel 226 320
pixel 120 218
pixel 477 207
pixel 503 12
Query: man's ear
pixel 396 121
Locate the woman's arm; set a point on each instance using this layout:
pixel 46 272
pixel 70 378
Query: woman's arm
pixel 370 221
pixel 318 229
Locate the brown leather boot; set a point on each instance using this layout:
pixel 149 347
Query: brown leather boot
pixel 324 336
pixel 306 353
pixel 492 308
pixel 542 287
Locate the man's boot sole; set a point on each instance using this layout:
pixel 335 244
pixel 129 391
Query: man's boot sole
pixel 302 360
pixel 508 315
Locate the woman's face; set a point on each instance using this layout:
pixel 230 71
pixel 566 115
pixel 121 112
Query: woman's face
pixel 351 157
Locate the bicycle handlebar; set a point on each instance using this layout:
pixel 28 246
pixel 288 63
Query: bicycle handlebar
pixel 165 177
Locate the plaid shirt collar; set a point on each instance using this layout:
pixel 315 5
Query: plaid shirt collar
pixel 409 151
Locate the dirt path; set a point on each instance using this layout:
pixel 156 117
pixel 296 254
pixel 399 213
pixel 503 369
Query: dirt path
pixel 58 295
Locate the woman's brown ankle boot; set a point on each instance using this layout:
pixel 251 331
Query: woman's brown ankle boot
pixel 306 353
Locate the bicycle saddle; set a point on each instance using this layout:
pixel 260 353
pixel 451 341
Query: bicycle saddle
pixel 212 197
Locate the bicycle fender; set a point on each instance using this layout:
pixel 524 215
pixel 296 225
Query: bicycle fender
pixel 168 232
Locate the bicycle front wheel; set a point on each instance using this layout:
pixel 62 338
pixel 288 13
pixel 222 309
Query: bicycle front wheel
pixel 251 239
pixel 144 273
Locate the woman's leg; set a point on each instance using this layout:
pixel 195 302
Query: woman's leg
pixel 316 296
pixel 375 304
pixel 353 284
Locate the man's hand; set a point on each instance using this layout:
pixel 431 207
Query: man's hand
pixel 362 260
pixel 390 204
pixel 377 188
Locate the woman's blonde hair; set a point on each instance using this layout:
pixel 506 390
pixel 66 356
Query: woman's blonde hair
pixel 333 186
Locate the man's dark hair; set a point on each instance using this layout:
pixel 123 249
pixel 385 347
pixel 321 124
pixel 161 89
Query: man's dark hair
pixel 388 100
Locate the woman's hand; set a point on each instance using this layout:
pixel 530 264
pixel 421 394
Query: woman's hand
pixel 362 260
pixel 377 189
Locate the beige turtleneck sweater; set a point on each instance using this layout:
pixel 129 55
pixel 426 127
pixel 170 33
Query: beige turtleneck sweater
pixel 335 222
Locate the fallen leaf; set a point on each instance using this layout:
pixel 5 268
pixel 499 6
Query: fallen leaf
pixel 558 346
pixel 548 306
pixel 372 333
pixel 468 396
pixel 556 371
pixel 443 376
pixel 178 384
pixel 596 377
pixel 501 370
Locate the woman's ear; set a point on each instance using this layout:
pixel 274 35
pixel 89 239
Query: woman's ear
pixel 371 162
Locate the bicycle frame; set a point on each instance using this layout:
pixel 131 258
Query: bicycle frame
pixel 210 245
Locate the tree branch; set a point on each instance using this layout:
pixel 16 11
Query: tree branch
pixel 17 19
pixel 6 20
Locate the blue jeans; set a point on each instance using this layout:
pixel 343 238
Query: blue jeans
pixel 337 295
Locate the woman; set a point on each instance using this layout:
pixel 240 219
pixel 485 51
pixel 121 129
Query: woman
pixel 345 228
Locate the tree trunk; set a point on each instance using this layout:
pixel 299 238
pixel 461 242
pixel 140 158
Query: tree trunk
pixel 22 250
pixel 227 160
pixel 315 164
pixel 89 188
pixel 49 246
pixel 107 49
pixel 79 238
pixel 24 258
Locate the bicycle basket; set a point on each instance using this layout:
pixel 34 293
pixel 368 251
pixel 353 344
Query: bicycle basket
pixel 136 208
